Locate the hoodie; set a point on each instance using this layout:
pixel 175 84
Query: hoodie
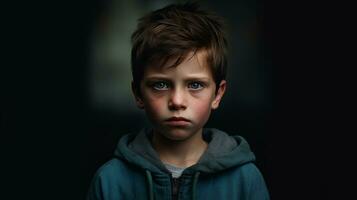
pixel 224 171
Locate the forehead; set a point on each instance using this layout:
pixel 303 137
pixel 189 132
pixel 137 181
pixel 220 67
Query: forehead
pixel 195 63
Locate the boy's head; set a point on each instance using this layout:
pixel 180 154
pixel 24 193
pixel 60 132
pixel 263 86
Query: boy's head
pixel 170 34
pixel 179 68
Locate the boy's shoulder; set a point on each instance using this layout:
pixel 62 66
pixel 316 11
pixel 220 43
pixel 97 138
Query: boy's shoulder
pixel 250 174
pixel 112 168
pixel 250 170
pixel 115 179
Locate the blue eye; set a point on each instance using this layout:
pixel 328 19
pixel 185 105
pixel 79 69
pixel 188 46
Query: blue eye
pixel 195 85
pixel 160 86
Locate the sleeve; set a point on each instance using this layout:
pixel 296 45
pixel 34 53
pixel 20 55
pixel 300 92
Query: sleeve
pixel 110 182
pixel 95 191
pixel 257 189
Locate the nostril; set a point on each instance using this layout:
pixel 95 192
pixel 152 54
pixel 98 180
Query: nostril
pixel 174 105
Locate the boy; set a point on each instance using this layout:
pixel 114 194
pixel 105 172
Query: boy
pixel 179 69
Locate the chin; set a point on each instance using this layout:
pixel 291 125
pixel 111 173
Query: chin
pixel 178 134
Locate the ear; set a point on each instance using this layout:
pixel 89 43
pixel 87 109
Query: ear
pixel 220 92
pixel 138 99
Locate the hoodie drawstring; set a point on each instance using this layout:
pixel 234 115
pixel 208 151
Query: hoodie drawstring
pixel 151 189
pixel 195 179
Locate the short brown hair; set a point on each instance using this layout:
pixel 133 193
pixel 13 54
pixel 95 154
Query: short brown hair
pixel 172 33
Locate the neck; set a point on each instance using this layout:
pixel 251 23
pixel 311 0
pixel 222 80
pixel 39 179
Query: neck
pixel 183 153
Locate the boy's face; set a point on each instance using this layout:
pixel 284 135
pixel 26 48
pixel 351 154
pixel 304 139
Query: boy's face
pixel 178 100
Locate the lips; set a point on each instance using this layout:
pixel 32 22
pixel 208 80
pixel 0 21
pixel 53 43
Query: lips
pixel 177 121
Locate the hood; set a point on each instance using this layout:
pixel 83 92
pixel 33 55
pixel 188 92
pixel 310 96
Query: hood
pixel 223 152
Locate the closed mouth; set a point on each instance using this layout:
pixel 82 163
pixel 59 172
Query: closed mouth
pixel 177 119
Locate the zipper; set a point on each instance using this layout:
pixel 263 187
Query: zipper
pixel 175 187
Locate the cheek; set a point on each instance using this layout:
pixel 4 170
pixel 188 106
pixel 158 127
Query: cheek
pixel 154 106
pixel 202 110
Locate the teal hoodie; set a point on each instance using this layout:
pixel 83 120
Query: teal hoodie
pixel 225 171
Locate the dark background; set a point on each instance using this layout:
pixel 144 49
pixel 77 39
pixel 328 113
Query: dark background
pixel 53 140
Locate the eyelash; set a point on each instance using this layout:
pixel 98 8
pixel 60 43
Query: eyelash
pixel 162 85
pixel 200 85
pixel 155 84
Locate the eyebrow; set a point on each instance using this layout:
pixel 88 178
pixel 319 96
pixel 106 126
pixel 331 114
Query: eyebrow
pixel 188 78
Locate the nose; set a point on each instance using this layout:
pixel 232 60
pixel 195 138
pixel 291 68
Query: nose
pixel 177 100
